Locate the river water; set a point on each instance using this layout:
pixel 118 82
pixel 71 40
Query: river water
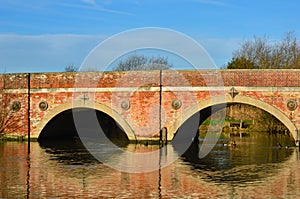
pixel 255 168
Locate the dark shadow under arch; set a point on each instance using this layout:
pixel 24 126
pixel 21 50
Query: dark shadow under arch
pixel 62 127
pixel 196 120
pixel 204 114
pixel 204 107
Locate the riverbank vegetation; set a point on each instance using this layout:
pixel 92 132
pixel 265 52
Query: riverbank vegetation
pixel 241 120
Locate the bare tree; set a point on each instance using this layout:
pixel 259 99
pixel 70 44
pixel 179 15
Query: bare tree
pixel 290 51
pixel 264 54
pixel 141 62
pixel 71 68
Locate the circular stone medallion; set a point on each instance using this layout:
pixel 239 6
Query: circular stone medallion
pixel 292 105
pixel 125 104
pixel 43 105
pixel 176 104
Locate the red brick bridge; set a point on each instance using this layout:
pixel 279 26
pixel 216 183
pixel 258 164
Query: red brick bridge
pixel 144 102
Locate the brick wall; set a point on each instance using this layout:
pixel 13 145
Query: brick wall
pixel 144 96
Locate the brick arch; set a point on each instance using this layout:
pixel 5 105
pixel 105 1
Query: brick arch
pixel 78 104
pixel 282 117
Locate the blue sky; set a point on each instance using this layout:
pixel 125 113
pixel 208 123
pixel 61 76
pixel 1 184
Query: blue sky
pixel 47 35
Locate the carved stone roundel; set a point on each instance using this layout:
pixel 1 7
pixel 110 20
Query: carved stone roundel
pixel 43 105
pixel 292 105
pixel 176 104
pixel 125 104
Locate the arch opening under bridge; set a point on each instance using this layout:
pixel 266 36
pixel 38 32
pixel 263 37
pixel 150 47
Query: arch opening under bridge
pixel 59 123
pixel 209 106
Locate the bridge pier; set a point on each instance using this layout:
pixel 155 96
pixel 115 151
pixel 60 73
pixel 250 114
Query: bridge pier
pixel 163 136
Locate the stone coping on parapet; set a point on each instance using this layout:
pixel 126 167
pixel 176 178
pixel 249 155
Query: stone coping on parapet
pixel 185 78
pixel 153 89
pixel 179 70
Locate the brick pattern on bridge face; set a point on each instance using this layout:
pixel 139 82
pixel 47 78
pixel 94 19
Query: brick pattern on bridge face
pixel 144 104
pixel 248 78
pixel 93 80
pixel 279 100
pixel 14 122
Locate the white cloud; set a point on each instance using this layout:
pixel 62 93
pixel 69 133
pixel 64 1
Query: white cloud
pixel 92 6
pixel 44 52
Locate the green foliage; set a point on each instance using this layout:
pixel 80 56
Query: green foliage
pixel 141 62
pixel 212 122
pixel 240 63
pixel 217 122
pixel 256 119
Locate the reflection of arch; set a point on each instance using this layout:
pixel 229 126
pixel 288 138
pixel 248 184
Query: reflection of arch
pixel 79 104
pixel 238 99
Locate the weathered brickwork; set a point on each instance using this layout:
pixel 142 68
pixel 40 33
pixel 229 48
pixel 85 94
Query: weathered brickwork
pixel 145 100
pixel 14 122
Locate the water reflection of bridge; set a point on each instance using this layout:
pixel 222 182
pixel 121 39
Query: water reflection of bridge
pixel 51 171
